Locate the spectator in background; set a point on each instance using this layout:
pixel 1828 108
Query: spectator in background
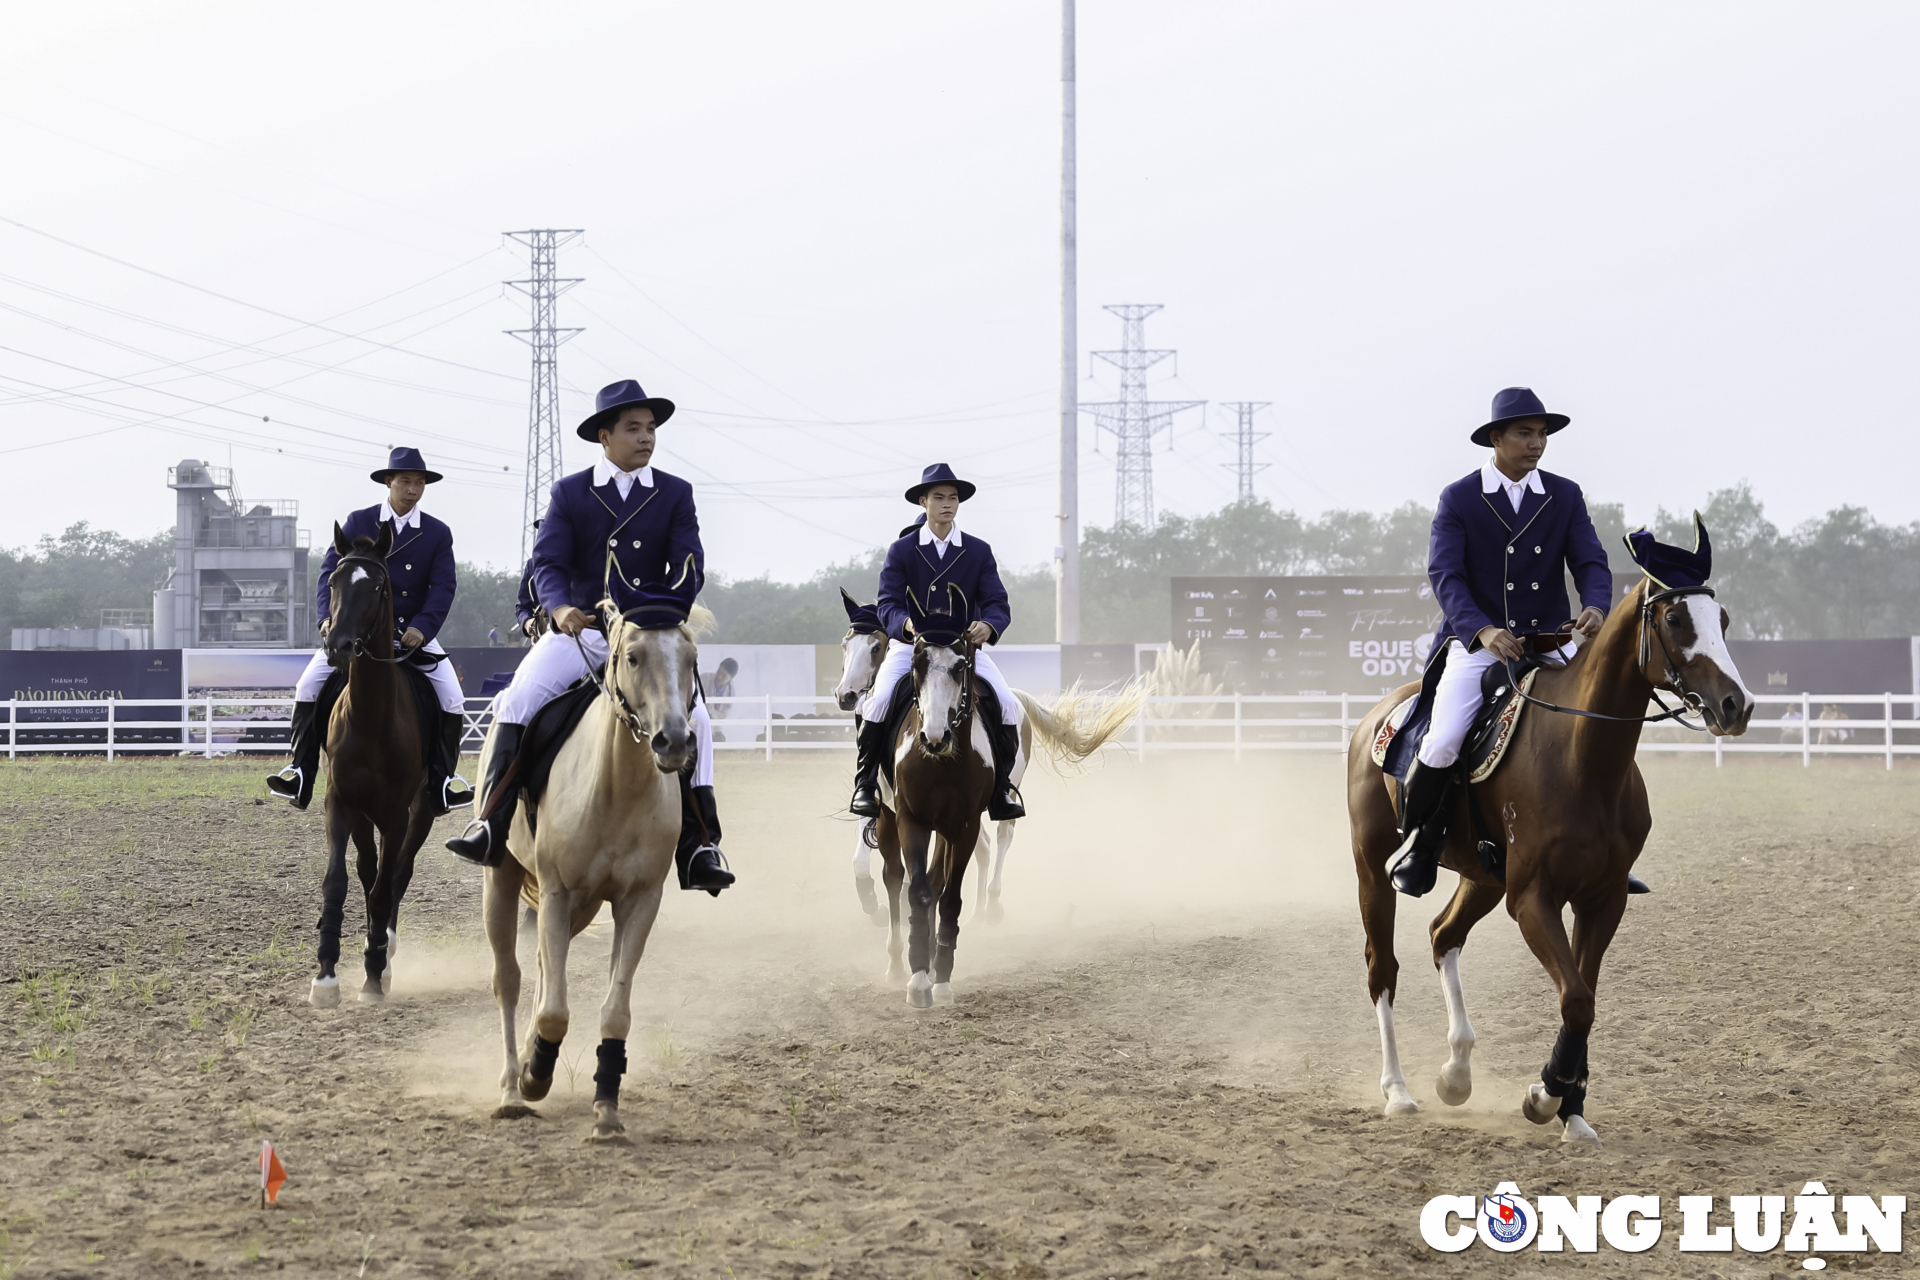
pixel 720 685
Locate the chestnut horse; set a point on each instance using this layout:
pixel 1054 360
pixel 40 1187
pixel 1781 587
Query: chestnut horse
pixel 1572 808
pixel 376 771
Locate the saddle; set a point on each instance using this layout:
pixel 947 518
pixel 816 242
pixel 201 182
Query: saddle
pixel 426 703
pixel 540 745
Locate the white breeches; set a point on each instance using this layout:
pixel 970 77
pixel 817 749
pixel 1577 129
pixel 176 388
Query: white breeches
pixel 899 661
pixel 1457 700
pixel 554 663
pixel 446 685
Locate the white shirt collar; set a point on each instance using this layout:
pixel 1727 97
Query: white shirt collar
pixel 1494 480
pixel 604 470
pixel 940 545
pixel 409 521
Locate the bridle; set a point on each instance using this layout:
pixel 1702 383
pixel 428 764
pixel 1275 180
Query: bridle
pixel 622 709
pixel 962 715
pixel 386 589
pixel 1689 700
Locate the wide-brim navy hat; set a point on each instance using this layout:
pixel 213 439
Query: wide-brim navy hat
pixel 1515 403
pixel 405 460
pixel 940 473
pixel 612 399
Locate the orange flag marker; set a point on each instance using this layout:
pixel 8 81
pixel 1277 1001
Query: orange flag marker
pixel 273 1174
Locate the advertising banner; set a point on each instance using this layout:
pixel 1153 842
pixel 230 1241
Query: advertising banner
pixel 50 677
pixel 1308 636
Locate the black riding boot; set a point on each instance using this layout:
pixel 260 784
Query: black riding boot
pixel 1004 805
pixel 445 773
pixel 1422 815
pixel 295 782
pixel 868 748
pixel 701 864
pixel 484 842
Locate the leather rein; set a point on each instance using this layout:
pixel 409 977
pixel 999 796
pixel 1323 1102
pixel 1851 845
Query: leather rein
pixel 1689 701
pixel 386 589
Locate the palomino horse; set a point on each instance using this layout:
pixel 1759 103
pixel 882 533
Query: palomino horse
pixel 1572 807
pixel 861 650
pixel 607 827
pixel 375 766
pixel 931 814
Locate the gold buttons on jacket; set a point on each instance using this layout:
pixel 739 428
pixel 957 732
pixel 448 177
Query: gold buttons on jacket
pixel 409 566
pixel 613 542
pixel 1509 586
pixel 1536 586
pixel 1509 550
pixel 1536 551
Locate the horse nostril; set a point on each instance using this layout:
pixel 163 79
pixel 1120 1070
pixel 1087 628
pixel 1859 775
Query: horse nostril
pixel 658 742
pixel 1729 709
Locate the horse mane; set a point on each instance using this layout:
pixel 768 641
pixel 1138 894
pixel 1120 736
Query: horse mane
pixel 700 623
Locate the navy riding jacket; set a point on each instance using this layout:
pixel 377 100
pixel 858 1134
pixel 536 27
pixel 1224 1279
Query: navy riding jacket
pixel 1493 566
pixel 524 607
pixel 652 537
pixel 920 573
pixel 420 567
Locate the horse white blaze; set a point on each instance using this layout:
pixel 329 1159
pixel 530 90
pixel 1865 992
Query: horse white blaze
pixel 1456 1078
pixel 940 692
pixel 1392 1083
pixel 358 575
pixel 1709 641
pixel 859 664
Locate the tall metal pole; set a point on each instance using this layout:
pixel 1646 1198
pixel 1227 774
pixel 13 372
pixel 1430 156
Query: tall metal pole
pixel 1066 613
pixel 1244 437
pixel 543 288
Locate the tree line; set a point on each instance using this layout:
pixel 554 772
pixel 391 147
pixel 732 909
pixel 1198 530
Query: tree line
pixel 1843 575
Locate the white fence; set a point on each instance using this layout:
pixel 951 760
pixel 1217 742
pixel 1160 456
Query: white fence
pixel 210 726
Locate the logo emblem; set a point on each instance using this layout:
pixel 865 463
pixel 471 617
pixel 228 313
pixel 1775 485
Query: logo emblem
pixel 1507 1222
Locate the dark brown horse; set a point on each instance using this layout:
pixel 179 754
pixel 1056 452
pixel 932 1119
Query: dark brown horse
pixel 377 777
pixel 1571 807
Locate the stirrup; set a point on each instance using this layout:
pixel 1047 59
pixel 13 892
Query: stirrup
pixel 725 866
pixel 483 860
pixel 451 799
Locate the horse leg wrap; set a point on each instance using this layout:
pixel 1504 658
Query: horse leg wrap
pixel 613 1065
pixel 545 1054
pixel 1565 1075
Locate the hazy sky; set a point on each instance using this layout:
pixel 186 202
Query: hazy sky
pixel 830 233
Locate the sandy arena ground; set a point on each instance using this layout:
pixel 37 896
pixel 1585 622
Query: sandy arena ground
pixel 1163 1062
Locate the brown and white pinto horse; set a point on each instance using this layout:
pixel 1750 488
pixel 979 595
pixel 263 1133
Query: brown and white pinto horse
pixel 377 776
pixel 1572 807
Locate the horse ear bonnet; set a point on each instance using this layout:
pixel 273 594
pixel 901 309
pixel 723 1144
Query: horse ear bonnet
pixel 864 618
pixel 1672 567
pixel 943 618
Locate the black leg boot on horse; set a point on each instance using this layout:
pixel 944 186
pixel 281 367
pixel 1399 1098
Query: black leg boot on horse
pixel 294 783
pixel 1005 804
pixel 868 748
pixel 698 857
pixel 450 790
pixel 1423 814
pixel 484 842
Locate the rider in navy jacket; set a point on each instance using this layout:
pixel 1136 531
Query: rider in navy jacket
pixel 1492 566
pixel 912 569
pixel 622 531
pixel 420 566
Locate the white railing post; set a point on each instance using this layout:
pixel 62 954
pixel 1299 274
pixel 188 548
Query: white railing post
pixel 1236 726
pixel 1806 729
pixel 1889 728
pixel 1140 729
pixel 13 727
pixel 209 727
pixel 110 717
pixel 769 726
pixel 1346 733
pixel 1719 756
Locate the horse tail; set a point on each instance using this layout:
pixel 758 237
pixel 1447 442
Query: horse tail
pixel 1075 726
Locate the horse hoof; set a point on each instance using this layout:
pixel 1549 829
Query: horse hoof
pixel 1451 1093
pixel 532 1088
pixel 373 993
pixel 324 994
pixel 614 1135
pixel 943 993
pixel 514 1111
pixel 1400 1103
pixel 920 991
pixel 1539 1106
pixel 1580 1135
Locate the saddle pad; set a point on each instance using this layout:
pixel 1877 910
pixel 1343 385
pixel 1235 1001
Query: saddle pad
pixel 1488 743
pixel 552 725
pixel 1395 721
